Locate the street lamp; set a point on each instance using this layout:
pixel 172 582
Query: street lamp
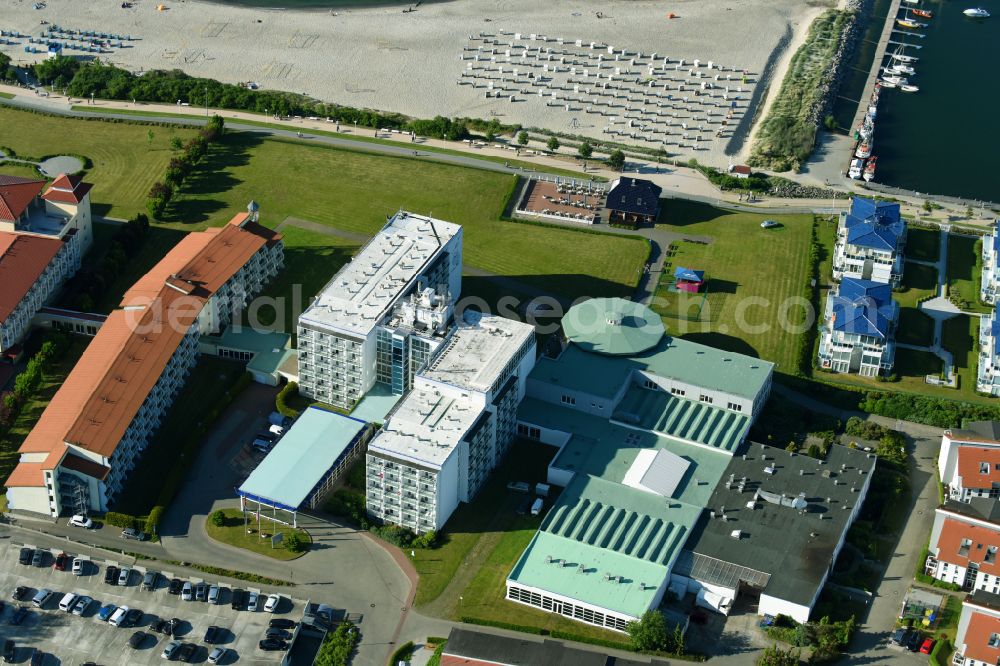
pixel 206 101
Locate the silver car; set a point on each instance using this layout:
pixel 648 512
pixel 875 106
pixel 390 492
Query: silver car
pixel 217 655
pixel 187 592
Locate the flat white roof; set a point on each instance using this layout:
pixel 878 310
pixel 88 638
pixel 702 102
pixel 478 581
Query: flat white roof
pixel 426 427
pixel 477 352
pixel 361 292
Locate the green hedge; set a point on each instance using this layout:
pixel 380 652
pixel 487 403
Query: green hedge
pixel 338 646
pixel 502 625
pixel 940 655
pixel 122 520
pixel 435 659
pixel 403 653
pixel 281 401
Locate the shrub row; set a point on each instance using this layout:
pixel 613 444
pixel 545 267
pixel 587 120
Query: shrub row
pixel 940 653
pixel 502 625
pixel 95 278
pixel 123 520
pixel 403 653
pixel 179 168
pixel 29 381
pixel 281 401
pixel 232 573
pixel 338 646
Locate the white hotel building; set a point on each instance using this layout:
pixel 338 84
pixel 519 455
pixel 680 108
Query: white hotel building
pixel 383 314
pixel 442 440
pixel 80 452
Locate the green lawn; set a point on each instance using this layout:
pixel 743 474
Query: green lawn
pixel 965 265
pixel 20 170
pixel 912 366
pixel 919 281
pixel 914 328
pixel 6 95
pixel 960 336
pixel 923 244
pixel 756 278
pixel 234 533
pixel 126 164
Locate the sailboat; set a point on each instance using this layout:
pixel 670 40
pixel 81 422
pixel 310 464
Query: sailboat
pixel 903 58
pixel 900 68
pixel 910 23
pixel 923 13
pixel 909 87
pixel 977 12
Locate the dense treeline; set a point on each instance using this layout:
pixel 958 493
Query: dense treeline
pixel 98 79
pixel 93 279
pixel 6 71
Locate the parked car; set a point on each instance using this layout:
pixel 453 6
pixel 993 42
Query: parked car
pixel 19 593
pixel 272 644
pixel 282 623
pixel 201 592
pixel 107 610
pixel 8 651
pixel 276 418
pixel 187 592
pixel 67 602
pixel 26 555
pixel 171 649
pixel 280 634
pixel 118 617
pixel 271 605
pixel 217 655
pixel 111 575
pixel 276 430
pixel 213 595
pixel 41 597
pixel 269 436
pixel 927 645
pixel 19 615
pixel 239 598
pixel 133 534
pixel 80 520
pixel 137 639
pixel 263 445
pixel 769 224
pixel 62 561
pixel 213 634
pixel 38 558
pixel 37 658
pixel 124 575
pixel 161 626
pixel 253 600
pixel 77 566
pixel 187 652
pixel 175 586
pixel 914 640
pixel 82 604
pixel 149 580
pixel 132 617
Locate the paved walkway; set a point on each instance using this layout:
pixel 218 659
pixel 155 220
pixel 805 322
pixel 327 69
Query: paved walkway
pixel 939 309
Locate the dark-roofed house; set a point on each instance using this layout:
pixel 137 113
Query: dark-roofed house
pixel 633 202
pixel 871 237
pixel 858 328
pixel 775 524
pixel 977 639
pixel 43 238
pixel 473 648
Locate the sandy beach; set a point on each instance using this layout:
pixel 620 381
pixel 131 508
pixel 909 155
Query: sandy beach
pixel 410 62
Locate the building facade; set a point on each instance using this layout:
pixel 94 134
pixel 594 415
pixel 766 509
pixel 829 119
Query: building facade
pixel 988 374
pixel 965 540
pixel 79 454
pixel 444 438
pixel 977 639
pixel 871 239
pixel 969 461
pixel 857 332
pixel 43 237
pixel 362 328
pixel 990 283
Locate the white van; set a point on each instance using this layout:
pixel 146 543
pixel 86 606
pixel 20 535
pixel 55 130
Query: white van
pixel 116 619
pixel 41 597
pixel 276 430
pixel 67 602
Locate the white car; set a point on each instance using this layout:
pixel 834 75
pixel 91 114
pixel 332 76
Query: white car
pixel 276 430
pixel 272 602
pixel 187 592
pixel 81 605
pixel 124 574
pixel 77 566
pixel 768 224
pixel 81 521
pixel 119 615
pixel 171 649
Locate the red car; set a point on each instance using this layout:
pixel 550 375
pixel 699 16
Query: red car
pixel 62 560
pixel 927 645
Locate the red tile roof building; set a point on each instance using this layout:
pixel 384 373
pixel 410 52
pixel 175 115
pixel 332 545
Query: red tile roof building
pixel 969 461
pixel 91 434
pixel 42 242
pixel 977 640
pixel 965 546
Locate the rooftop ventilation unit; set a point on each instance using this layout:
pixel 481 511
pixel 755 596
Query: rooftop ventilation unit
pixel 736 534
pixel 770 469
pixel 798 502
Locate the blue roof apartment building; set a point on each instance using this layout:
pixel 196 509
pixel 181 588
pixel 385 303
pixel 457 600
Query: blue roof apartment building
pixel 871 238
pixel 858 328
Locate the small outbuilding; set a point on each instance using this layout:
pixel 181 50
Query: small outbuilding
pixel 740 171
pixel 689 280
pixel 633 202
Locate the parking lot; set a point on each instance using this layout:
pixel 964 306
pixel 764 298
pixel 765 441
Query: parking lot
pixel 70 639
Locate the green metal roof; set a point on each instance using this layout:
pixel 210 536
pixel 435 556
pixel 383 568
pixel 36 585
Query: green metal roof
pixel 678 417
pixel 269 348
pixel 600 531
pixel 378 402
pixel 613 326
pixel 302 458
pixel 672 358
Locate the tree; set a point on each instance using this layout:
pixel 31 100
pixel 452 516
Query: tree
pixel 616 160
pixel 585 150
pixel 969 212
pixel 522 138
pixel 294 542
pixel 678 641
pixel 775 656
pixel 176 143
pixel 149 137
pixel 830 123
pixel 218 518
pixel 650 632
pixel 928 207
pixel 552 144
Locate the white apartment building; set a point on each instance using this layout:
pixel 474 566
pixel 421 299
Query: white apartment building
pixel 990 283
pixel 871 238
pixel 442 440
pixel 377 319
pixel 79 454
pixel 965 540
pixel 977 640
pixel 43 237
pixel 988 375
pixel 969 461
pixel 857 332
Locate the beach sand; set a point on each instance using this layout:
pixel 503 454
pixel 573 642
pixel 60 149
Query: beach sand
pixel 383 58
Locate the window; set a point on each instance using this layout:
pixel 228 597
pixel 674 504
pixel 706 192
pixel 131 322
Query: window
pixel 677 391
pixel 650 384
pixel 530 432
pixel 984 468
pixel 994 640
pixel 705 399
pixel 568 400
pixel 963 549
pixel 991 555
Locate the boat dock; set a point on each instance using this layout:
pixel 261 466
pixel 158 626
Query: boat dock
pixel 880 49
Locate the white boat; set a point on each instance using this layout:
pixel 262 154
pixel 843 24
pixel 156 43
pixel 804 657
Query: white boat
pixel 903 58
pixel 900 69
pixel 894 80
pixel 869 172
pixel 909 87
pixel 977 12
pixel 864 150
pixel 855 170
pixel 887 84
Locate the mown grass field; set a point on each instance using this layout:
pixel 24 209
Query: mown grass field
pixel 757 280
pixel 923 244
pixel 965 266
pixel 919 282
pixel 126 163
pixel 234 533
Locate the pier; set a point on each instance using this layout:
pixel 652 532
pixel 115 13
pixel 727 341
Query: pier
pixel 880 49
